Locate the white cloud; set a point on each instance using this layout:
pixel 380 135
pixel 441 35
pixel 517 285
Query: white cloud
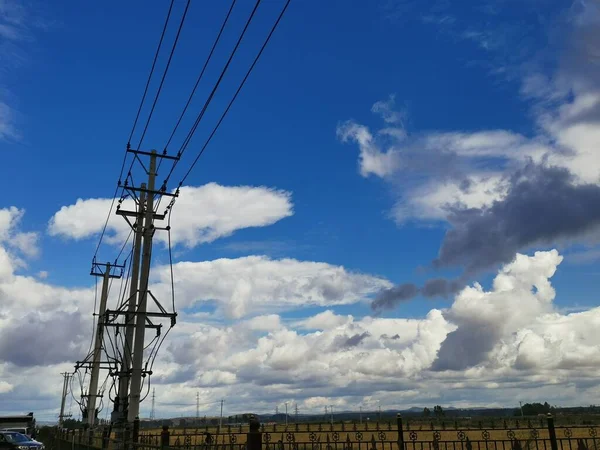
pixel 328 357
pixel 387 112
pixel 5 387
pixel 373 160
pixel 526 345
pixel 323 321
pixel 257 283
pixel 201 214
pixel 16 243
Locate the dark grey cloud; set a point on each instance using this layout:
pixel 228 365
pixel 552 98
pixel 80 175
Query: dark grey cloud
pixel 390 298
pixel 542 206
pixel 467 346
pixel 441 287
pixel 37 341
pixel 436 287
pixel 356 339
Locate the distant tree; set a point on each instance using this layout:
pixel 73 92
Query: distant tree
pixel 533 409
pixel 438 411
pixel 426 412
pixel 72 424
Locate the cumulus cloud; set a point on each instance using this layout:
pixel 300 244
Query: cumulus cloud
pixel 323 321
pixel 202 214
pixel 34 340
pixel 373 160
pixel 510 337
pixel 500 191
pixel 542 207
pixel 15 242
pixel 257 283
pixel 521 293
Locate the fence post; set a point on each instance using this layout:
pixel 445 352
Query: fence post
pixel 105 437
pixel 254 436
pixel 136 430
pixel 552 432
pixel 165 437
pixel 401 432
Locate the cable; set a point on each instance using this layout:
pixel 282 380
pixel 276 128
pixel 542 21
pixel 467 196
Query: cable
pixel 93 318
pixel 201 74
pixel 112 204
pixel 211 95
pixel 237 92
pixel 171 259
pixel 151 71
pixel 165 72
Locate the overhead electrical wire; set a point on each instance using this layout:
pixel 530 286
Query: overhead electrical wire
pixel 103 232
pixel 165 72
pixel 210 54
pixel 162 36
pixel 158 341
pixel 237 92
pixel 211 95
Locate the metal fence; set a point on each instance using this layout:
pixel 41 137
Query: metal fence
pixel 397 436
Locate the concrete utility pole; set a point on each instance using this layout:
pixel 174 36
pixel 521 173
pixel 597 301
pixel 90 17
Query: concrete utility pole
pixel 92 395
pixel 221 416
pixel 153 411
pixel 197 405
pixel 135 308
pixel 62 416
pixel 121 403
pixel 140 322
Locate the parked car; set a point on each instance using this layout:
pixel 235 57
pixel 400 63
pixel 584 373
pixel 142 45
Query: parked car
pixel 18 430
pixel 18 441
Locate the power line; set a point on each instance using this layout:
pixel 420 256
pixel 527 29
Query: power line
pixel 192 130
pixel 112 204
pixel 201 75
pixel 216 86
pixel 162 36
pixel 236 93
pixel 165 72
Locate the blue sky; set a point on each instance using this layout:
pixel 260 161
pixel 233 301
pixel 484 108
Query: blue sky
pixel 450 81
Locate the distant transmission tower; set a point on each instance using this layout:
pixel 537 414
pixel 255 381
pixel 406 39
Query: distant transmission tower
pixel 296 413
pixel 197 405
pixel 153 410
pixel 276 409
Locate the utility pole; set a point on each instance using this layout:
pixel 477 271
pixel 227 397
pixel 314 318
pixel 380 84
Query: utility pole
pixel 197 405
pixel 153 410
pixel 92 396
pixel 286 414
pixel 521 405
pixel 296 413
pixel 121 403
pixel 360 414
pixel 221 416
pixel 140 322
pixel 62 416
pixel 331 410
pixel 276 410
pixel 135 308
pixel 325 413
